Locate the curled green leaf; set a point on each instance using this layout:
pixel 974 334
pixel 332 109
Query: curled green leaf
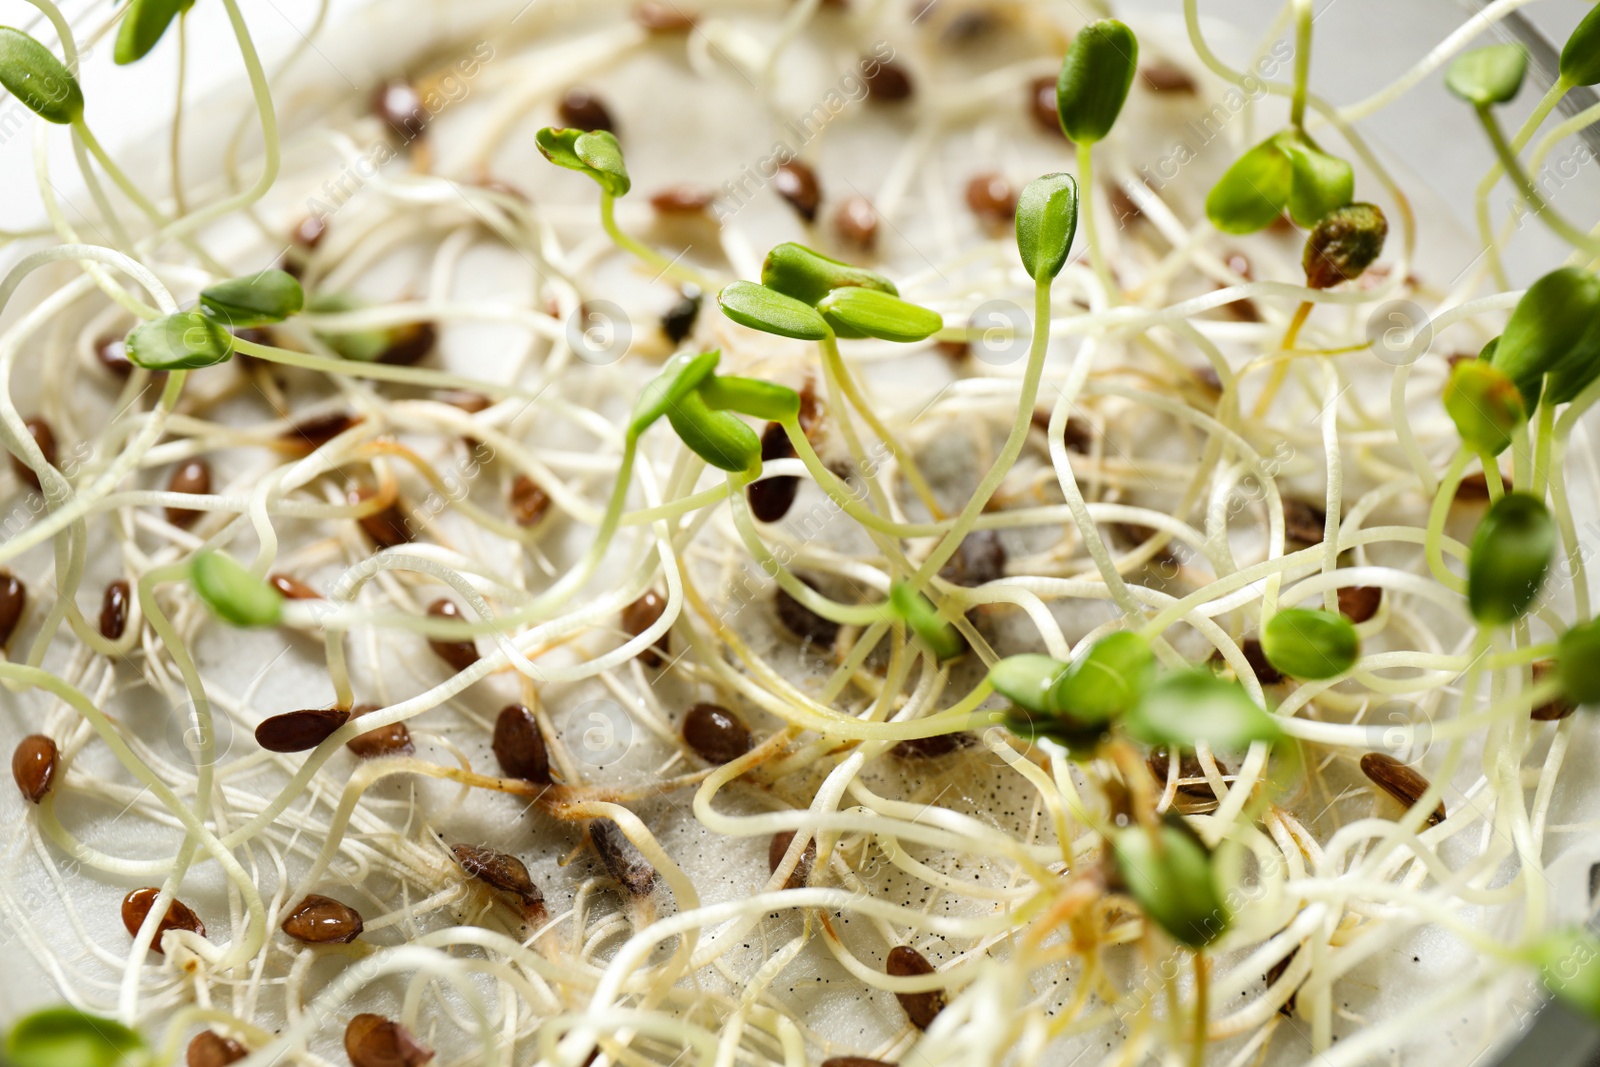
pixel 918 612
pixel 1319 183
pixel 257 300
pixel 1578 663
pixel 1487 76
pixel 876 314
pixel 1106 681
pixel 1554 329
pixel 183 340
pixel 1485 405
pixel 720 438
pixel 233 593
pixel 1310 643
pixel 1026 680
pixel 770 311
pixel 1569 963
pixel 1047 220
pixel 36 77
pixel 596 153
pixel 1580 57
pixel 750 396
pixel 1170 873
pixel 1095 77
pixel 682 374
pixel 144 25
pixel 1343 244
pixel 1510 558
pixel 1191 706
pixel 1254 191
pixel 67 1037
pixel 795 270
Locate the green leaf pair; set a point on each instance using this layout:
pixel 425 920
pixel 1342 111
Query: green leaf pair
pixel 918 613
pixel 1047 221
pixel 1075 703
pixel 1510 557
pixel 1580 58
pixel 1310 643
pixel 1286 172
pixel 1554 330
pixel 1485 405
pixel 184 340
pixel 67 1037
pixel 807 296
pixel 1170 873
pixel 1195 705
pixel 1095 77
pixel 233 593
pixel 1487 76
pixel 36 77
pixel 1578 663
pixel 594 153
pixel 700 405
pixel 257 300
pixel 143 26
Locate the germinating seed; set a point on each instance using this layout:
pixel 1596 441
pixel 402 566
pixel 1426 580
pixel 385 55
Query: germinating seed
pixel 797 183
pixel 391 740
pixel 802 869
pixel 715 734
pixel 373 1041
pixel 642 614
pixel 622 860
pixel 1166 77
pixel 1042 105
pixel 114 610
pixel 921 748
pixel 801 621
pixel 678 320
pixel 1358 603
pixel 13 601
pixel 387 526
pixel 400 106
pixel 33 766
pixel 856 222
pixel 311 434
pixel 136 906
pixel 1399 781
pixel 529 502
pixel 194 477
pixel 1265 672
pixel 993 199
pixel 292 588
pixel 771 498
pixel 1303 522
pixel 1192 781
pixel 319 920
pixel 581 109
pixel 683 200
pixel 45 438
pixel 210 1049
pixel 519 746
pixel 112 354
pixel 1555 709
pixel 980 558
pixel 458 654
pixel 921 1008
pixel 887 82
pixel 502 871
pixel 298 731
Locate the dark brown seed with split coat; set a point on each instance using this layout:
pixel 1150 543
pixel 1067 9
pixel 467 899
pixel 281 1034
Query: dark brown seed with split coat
pixel 639 617
pixel 1303 522
pixel 13 601
pixel 915 748
pixel 114 610
pixel 887 83
pixel 663 18
pixel 319 920
pixel 298 731
pixel 797 183
pixel 1552 710
pixel 136 906
pixel 502 871
pixel 528 502
pixel 45 438
pixel 715 734
pixel 622 860
pixel 678 321
pixel 194 477
pixel 583 110
pixel 519 746
pixel 373 1041
pixel 801 621
pixel 1358 603
pixel 387 526
pixel 992 199
pixel 856 222
pixel 391 740
pixel 1165 77
pixel 459 654
pixel 210 1049
pixel 921 1008
pixel 1399 781
pixel 771 498
pixel 802 869
pixel 33 766
pixel 1042 105
pixel 980 558
pixel 400 106
pixel 293 588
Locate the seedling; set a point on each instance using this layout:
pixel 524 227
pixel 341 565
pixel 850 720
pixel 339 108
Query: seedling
pixel 67 1037
pixel 1510 556
pixel 233 593
pixel 1309 643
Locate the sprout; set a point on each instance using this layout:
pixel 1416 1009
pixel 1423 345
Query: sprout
pixel 1173 879
pixel 259 300
pixel 1026 680
pixel 1286 172
pixel 876 314
pixel 233 593
pixel 1487 76
pixel 1580 58
pixel 750 396
pixel 1105 682
pixel 143 26
pixel 1047 220
pixel 1095 78
pixel 1195 705
pixel 918 612
pixel 1578 663
pixel 1343 245
pixel 1510 556
pixel 595 153
pixel 770 311
pixel 1319 183
pixel 1485 405
pixel 795 270
pixel 682 374
pixel 38 79
pixel 1570 962
pixel 67 1037
pixel 719 437
pixel 183 340
pixel 1554 329
pixel 1310 644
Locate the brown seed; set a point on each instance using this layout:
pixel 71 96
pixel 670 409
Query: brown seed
pixel 528 501
pixel 459 654
pixel 410 344
pixel 309 231
pixel 373 1041
pixel 45 438
pixel 391 740
pixel 13 602
pixel 136 906
pixel 854 1061
pixel 400 106
pixel 1277 971
pixel 622 859
pixel 683 200
pixel 1555 709
pixel 812 410
pixel 1358 603
pixel 921 1008
pixel 1399 781
pixel 639 617
pixel 210 1049
pixel 1042 104
pixel 801 621
pixel 663 18
pixel 582 110
pixel 1192 781
pixel 1303 522
pixel 194 477
pixel 856 222
pixel 1241 310
pixel 1265 672
pixel 465 399
pixel 797 183
pixel 310 435
pixel 33 765
pixel 1124 208
pixel 293 588
pixel 1474 488
pixel 802 870
pixel 298 731
pixel 387 526
pixel 771 498
pixel 887 83
pixel 319 920
pixel 715 734
pixel 112 352
pixel 1165 77
pixel 677 322
pixel 981 558
pixel 915 748
pixel 114 610
pixel 500 870
pixel 519 746
pixel 957 352
pixel 1076 434
pixel 993 199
